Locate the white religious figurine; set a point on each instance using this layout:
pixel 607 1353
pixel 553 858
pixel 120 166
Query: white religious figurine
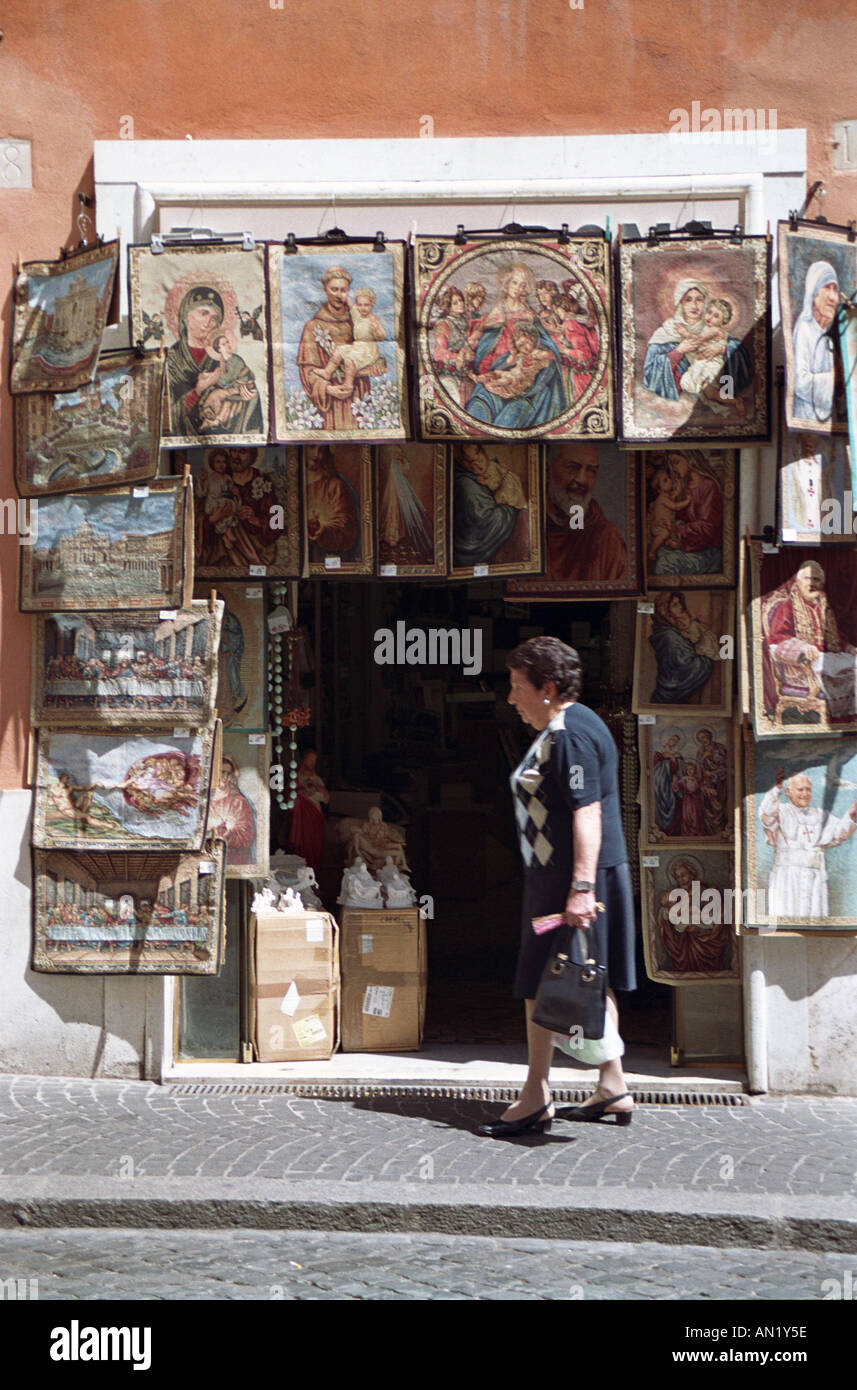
pixel 290 901
pixel 263 901
pixel 800 833
pixel 397 889
pixel 374 841
pixel 359 888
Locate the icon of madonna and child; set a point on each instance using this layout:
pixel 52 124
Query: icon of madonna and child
pixel 519 355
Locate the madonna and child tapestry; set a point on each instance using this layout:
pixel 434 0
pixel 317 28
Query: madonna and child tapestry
pixel 207 305
pixel 495 510
pixel 93 670
pixel 338 330
pixel 410 510
pixel 803 641
pixel 246 512
pixel 514 338
pixel 104 433
pixel 689 510
pixel 121 548
pixel 591 525
pixel 684 653
pixel 124 792
pixel 689 916
pixel 129 914
pixel 800 818
pixel 817 266
pixel 60 309
pixel 695 336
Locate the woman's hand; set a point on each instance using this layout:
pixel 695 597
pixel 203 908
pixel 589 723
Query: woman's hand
pixel 580 910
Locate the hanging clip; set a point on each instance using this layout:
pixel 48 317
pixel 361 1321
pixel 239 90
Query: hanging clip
pixel 852 230
pixel 335 234
pixel 563 237
pixel 139 348
pixel 248 242
pixel 290 245
pixel 378 244
pixel 793 220
pixel 156 245
pixel 737 236
pixel 460 238
pixel 696 228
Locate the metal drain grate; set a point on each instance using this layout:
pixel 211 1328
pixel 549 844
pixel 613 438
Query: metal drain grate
pixel 351 1090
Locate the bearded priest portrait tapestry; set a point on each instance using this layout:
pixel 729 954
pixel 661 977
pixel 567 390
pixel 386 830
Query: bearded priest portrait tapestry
pixel 514 338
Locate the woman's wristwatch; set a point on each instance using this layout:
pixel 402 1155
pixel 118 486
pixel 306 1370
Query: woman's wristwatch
pixel 579 885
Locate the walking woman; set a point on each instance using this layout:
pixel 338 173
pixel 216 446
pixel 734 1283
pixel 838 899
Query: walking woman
pixel 566 793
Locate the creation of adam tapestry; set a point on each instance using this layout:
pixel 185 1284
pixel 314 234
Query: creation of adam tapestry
pixel 817 265
pixel 59 312
pixel 803 641
pixel 695 340
pixel 689 919
pixel 207 305
pixel 118 549
pixel 105 433
pixel 410 510
pixel 124 791
pixel 514 338
pixel 99 669
pixel 129 914
pixel 246 512
pixel 338 329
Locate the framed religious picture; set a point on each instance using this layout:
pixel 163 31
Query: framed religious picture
pixel 240 804
pixel 591 525
pixel 122 791
pixel 689 916
pixel 689 498
pixel 105 433
pixel 848 347
pixel 817 264
pixel 338 330
pixel 803 641
pixel 410 510
pixel 686 768
pixel 495 510
pixel 118 549
pixel 129 913
pixel 207 306
pixel 100 669
pixel 800 847
pixel 242 657
pixel 514 338
pixel 338 509
pixel 695 336
pixel 246 512
pixel 684 653
pixel 59 313
pixel 816 504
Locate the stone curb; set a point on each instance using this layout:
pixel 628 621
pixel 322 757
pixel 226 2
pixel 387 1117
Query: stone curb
pixel 674 1217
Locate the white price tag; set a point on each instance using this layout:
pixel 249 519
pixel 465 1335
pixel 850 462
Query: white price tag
pixel 181 733
pixel 139 492
pixel 378 1000
pixel 645 608
pixel 315 930
pixel 332 562
pixel 280 620
pixel 253 593
pixel 206 867
pixel 768 549
pixel 258 571
pixel 389 571
pixel 168 615
pixel 367 944
pixel 480 571
pixel 256 740
pixel 651 861
pixel 291 1000
pixel 647 718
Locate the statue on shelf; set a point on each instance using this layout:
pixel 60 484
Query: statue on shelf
pixel 306 831
pixel 398 891
pixel 375 842
pixel 359 888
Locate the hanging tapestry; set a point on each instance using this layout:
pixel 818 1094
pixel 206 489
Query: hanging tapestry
pixel 100 435
pixel 410 510
pixel 689 508
pixel 338 328
pixel 240 804
pixel 800 818
pixel 122 548
pixel 60 309
pixel 683 654
pixel 246 512
pixel 496 514
pixel 686 778
pixel 514 338
pixel 816 500
pixel 338 509
pixel 817 264
pixel 242 658
pixel 848 347
pixel 803 640
pixel 129 914
pixel 689 917
pixel 95 669
pixel 123 791
pixel 207 305
pixel 695 336
pixel 591 525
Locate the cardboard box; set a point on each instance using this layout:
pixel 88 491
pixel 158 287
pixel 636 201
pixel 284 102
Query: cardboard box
pixel 384 975
pixel 295 986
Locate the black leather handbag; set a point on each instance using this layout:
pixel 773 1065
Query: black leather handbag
pixel 572 994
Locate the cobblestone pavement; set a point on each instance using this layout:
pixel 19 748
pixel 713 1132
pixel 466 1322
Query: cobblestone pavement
pixel 790 1145
pixel 83 1264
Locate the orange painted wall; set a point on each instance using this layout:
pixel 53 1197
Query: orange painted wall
pixel 70 70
